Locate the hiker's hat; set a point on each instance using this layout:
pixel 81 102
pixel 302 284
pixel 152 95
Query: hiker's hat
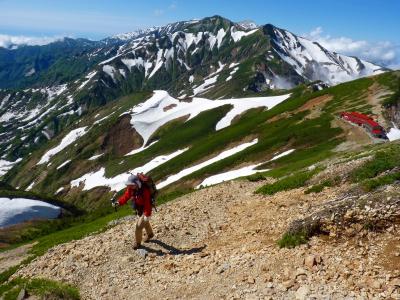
pixel 133 180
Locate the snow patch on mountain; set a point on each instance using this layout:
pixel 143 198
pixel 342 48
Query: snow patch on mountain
pixel 64 164
pixel 230 175
pixel 313 62
pixel 221 156
pixel 5 165
pixel 231 73
pixel 94 157
pixel 394 133
pixel 4 100
pixel 237 34
pixel 241 105
pixel 150 115
pixel 233 174
pixel 159 62
pixel 220 35
pixel 88 77
pixel 110 71
pixel 220 68
pixel 135 151
pixel 287 152
pixel 117 183
pixel 70 138
pixel 8 115
pixel 54 91
pixel 247 25
pixel 206 85
pixel 130 63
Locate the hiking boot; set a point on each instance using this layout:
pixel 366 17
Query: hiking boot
pixel 149 237
pixel 136 246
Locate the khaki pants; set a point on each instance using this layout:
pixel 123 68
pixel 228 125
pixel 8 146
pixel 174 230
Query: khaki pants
pixel 140 224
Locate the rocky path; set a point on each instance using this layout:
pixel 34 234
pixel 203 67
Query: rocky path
pixel 14 257
pixel 220 243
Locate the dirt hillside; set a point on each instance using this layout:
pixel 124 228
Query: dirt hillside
pixel 220 243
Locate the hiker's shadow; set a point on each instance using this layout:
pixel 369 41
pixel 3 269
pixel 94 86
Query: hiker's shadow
pixel 170 249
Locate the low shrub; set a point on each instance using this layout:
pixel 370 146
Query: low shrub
pixel 382 161
pixel 291 240
pixel 372 184
pixel 256 177
pixel 319 187
pixel 291 182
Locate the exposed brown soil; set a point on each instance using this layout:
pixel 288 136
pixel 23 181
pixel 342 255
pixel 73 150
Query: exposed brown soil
pixel 390 255
pixel 314 105
pixel 355 136
pixel 374 97
pixel 168 107
pixel 121 138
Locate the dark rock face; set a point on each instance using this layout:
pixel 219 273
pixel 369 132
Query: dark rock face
pixel 394 113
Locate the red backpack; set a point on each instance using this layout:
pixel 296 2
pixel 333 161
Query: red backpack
pixel 149 183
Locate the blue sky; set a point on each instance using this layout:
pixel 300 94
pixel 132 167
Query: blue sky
pixel 369 26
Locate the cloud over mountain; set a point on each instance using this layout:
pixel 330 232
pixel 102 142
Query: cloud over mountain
pixel 7 41
pixel 383 52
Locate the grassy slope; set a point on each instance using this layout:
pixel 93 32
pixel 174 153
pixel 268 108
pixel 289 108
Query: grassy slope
pixel 313 140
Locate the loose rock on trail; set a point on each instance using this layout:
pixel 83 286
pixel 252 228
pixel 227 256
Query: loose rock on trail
pixel 220 242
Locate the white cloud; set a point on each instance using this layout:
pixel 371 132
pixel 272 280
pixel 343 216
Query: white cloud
pixel 9 40
pixel 158 12
pixel 383 53
pixel 173 5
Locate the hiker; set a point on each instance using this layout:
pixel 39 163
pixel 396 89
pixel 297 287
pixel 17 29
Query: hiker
pixel 140 194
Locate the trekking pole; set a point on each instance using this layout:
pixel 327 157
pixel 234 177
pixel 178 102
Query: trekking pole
pixel 114 202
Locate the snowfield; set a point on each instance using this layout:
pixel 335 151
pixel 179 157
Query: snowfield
pixel 237 35
pixel 17 210
pixel 233 174
pixel 94 157
pixel 206 163
pixel 66 141
pixel 226 176
pixel 5 165
pixel 147 117
pixel 332 68
pixel 393 134
pixel 95 179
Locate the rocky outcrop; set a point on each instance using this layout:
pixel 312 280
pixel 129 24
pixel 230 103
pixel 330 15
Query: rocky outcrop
pixel 349 214
pixel 394 113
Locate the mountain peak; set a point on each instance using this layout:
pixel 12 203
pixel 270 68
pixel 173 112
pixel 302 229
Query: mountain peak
pixel 247 24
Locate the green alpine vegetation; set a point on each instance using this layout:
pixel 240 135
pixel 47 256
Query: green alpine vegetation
pixel 289 125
